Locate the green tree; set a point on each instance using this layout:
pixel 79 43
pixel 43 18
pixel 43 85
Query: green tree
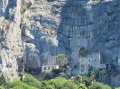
pixel 78 79
pixel 2 80
pixel 98 85
pixel 61 60
pixel 69 85
pixel 90 72
pixel 30 80
pixel 48 76
pixel 82 52
pixel 17 84
pixel 1 87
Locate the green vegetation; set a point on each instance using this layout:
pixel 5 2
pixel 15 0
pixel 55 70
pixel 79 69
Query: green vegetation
pixel 61 60
pixel 29 82
pixel 115 4
pixel 3 44
pixel 45 27
pixel 98 85
pixel 23 9
pixel 82 52
pixel 2 80
pixel 110 12
pixel 2 38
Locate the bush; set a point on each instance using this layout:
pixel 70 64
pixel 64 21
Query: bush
pixel 69 85
pixel 82 52
pixel 30 80
pixel 48 76
pixel 98 85
pixel 78 79
pixel 17 84
pixel 2 80
pixel 1 87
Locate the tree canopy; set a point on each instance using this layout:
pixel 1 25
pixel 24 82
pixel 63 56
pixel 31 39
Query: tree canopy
pixel 61 60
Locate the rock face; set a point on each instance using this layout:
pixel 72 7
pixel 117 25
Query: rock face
pixel 93 25
pixel 37 30
pixel 10 37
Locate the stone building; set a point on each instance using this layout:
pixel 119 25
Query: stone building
pixel 84 63
pixel 92 59
pixel 49 67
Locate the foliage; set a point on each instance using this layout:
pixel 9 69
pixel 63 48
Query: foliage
pixel 61 60
pixel 56 72
pixel 2 37
pixel 2 80
pixel 102 72
pixel 17 84
pixel 90 71
pixel 1 87
pixel 45 27
pixel 23 9
pixel 82 52
pixel 87 80
pixel 69 85
pixel 78 79
pixel 48 76
pixel 30 80
pixel 98 85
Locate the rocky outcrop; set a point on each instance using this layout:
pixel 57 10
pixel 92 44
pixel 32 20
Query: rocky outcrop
pixel 93 25
pixel 39 27
pixel 10 37
pixel 37 30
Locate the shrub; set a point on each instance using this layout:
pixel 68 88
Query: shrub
pixel 82 52
pixel 45 27
pixel 23 9
pixel 2 80
pixel 2 38
pixel 110 12
pixel 115 4
pixel 30 80
pixel 1 87
pixel 98 85
pixel 48 76
pixel 17 84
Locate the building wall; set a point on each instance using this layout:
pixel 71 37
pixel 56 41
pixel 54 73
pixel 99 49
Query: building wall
pixel 49 67
pixel 88 61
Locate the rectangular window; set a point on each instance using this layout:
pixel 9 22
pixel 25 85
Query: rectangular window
pixel 82 66
pixel 44 68
pixel 75 66
pixel 53 68
pixel 48 68
pixel 82 70
pixel 88 65
pixel 95 59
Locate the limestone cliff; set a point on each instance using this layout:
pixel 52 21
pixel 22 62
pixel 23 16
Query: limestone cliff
pixel 37 30
pixel 10 37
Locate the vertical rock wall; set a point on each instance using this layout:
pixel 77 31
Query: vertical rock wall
pixel 10 33
pixel 93 25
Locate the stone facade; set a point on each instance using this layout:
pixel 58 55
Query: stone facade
pixel 88 61
pixel 84 63
pixel 46 68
